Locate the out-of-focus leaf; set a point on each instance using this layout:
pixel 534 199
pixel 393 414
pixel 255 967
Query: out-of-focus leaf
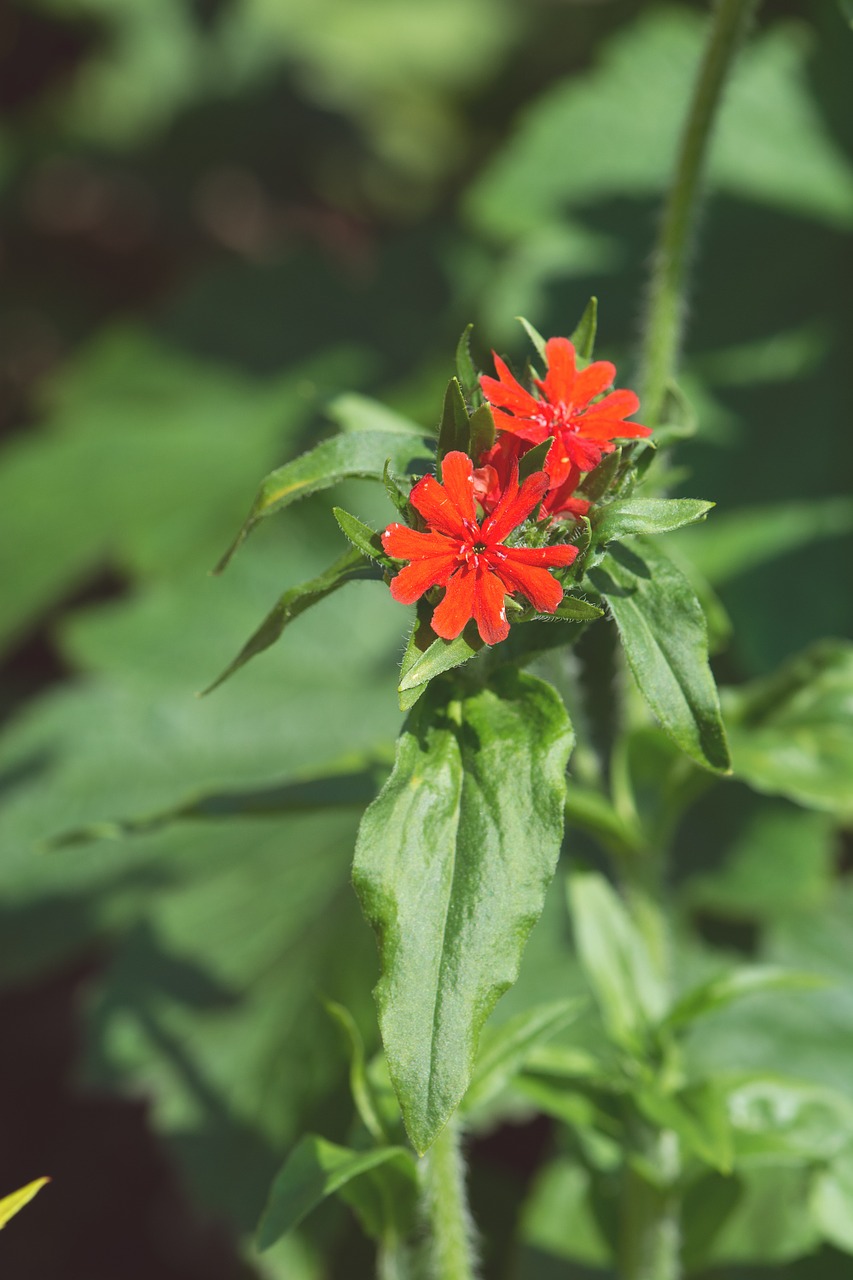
pixel 735 985
pixel 832 1191
pixel 627 516
pixel 356 454
pixel 352 412
pixel 697 1113
pixel 593 812
pixel 737 541
pixel 352 566
pixel 616 133
pixel 630 991
pixel 769 1224
pixel 557 1216
pixel 663 630
pixel 14 1203
pixel 360 1085
pixel 505 1049
pixel 707 1204
pixel 792 733
pixel 451 866
pixel 777 1120
pixel 314 1170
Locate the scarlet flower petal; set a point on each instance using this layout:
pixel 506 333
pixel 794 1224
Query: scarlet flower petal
pixel 542 557
pixel 404 543
pixel 416 578
pixel 559 382
pixel 490 606
pixel 619 404
pixel 456 476
pixel 541 589
pixel 582 454
pixel 593 380
pixel 457 606
pixel 437 508
pixel 515 505
pixel 506 391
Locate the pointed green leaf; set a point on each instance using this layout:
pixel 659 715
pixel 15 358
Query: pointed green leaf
pixel 664 634
pixel 465 371
pixel 698 1115
pixel 534 459
pixel 594 813
pixel 14 1203
pixel 573 609
pixel 626 516
pixel 505 1049
pixel 362 537
pixel 350 567
pixel 399 498
pixel 583 338
pixel 831 1199
pixel 451 866
pixel 362 453
pixel 441 656
pixel 600 479
pixel 792 733
pixel 724 989
pixel 483 433
pixel 314 1170
pixel 534 335
pixel 454 431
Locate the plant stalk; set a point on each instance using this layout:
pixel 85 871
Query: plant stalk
pixel 666 305
pixel 451 1245
pixel 650 1229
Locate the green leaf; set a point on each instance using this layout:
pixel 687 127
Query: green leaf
pixel 314 1170
pixel 534 459
pixel 534 335
pixel 583 338
pixel 362 537
pixel 465 371
pixel 505 1049
pixel 573 609
pixel 788 1121
pixel 627 516
pixel 350 567
pixel 360 1086
pixel 352 412
pixel 451 866
pixel 361 453
pixel 724 989
pixel 441 656
pixel 630 990
pixel 559 1216
pixel 769 1222
pixel 482 431
pixel 792 733
pixel 846 7
pixel 831 1199
pixel 454 431
pixel 14 1203
pixel 664 634
pixel 593 812
pixel 698 1115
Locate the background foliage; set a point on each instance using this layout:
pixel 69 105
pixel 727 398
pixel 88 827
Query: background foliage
pixel 218 217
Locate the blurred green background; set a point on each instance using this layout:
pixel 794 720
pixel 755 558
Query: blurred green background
pixel 219 216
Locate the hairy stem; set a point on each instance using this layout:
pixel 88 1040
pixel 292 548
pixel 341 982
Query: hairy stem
pixel 664 321
pixel 446 1209
pixel 650 1231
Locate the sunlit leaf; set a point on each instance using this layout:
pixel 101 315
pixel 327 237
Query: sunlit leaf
pixel 14 1203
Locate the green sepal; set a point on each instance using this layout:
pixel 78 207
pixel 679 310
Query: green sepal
pixel 451 866
pixel 352 566
pixel 362 537
pixel 454 431
pixel 625 517
pixel 597 482
pixel 534 459
pixel 583 338
pixel 347 456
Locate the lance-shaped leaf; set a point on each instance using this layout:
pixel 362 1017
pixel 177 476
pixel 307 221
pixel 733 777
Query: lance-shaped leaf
pixel 358 453
pixel 465 371
pixel 454 430
pixel 362 537
pixel 628 516
pixel 441 656
pixel 349 567
pixel 665 638
pixel 452 862
pixel 314 1170
pixel 583 338
pixel 725 988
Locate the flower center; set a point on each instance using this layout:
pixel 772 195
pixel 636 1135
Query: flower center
pixel 559 417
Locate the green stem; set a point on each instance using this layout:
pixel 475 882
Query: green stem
pixel 650 1231
pixel 446 1206
pixel 667 291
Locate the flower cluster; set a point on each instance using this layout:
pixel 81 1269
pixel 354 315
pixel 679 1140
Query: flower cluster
pixel 469 516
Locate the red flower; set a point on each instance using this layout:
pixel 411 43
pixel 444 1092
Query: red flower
pixel 583 427
pixel 470 559
pixel 492 476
